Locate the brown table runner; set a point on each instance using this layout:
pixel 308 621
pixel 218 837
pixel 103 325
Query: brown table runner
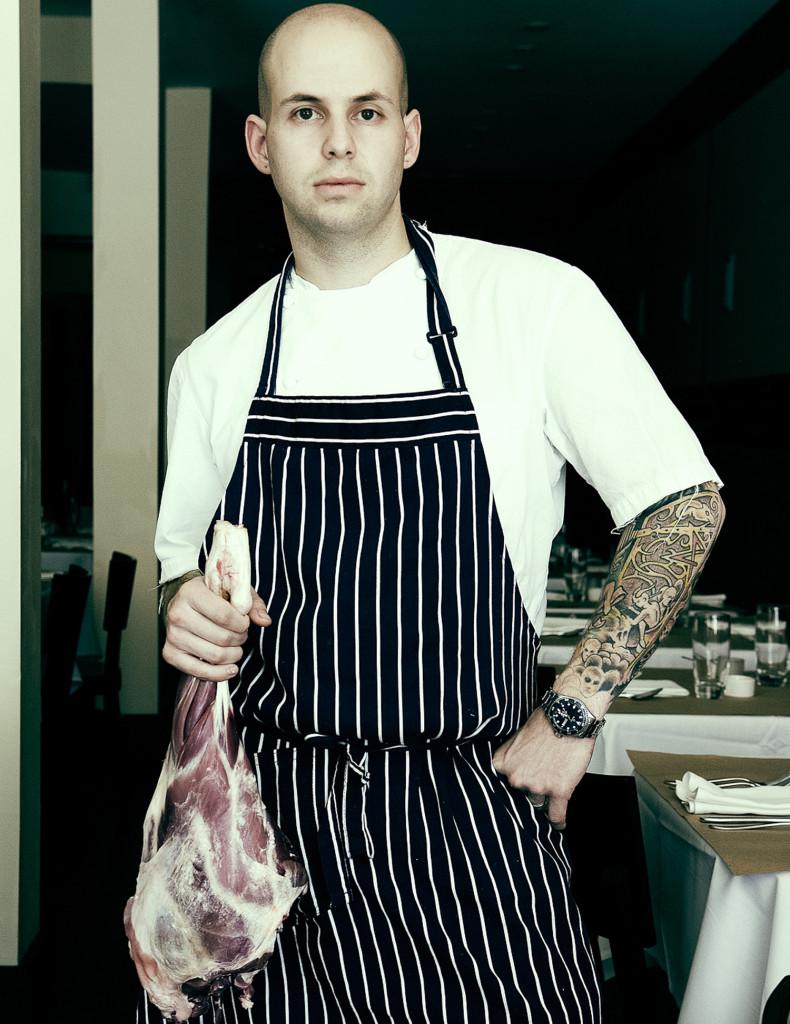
pixel 745 853
pixel 767 700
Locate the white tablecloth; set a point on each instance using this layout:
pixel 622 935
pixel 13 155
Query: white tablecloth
pixel 723 939
pixel 733 735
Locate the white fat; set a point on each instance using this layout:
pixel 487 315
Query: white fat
pixel 228 567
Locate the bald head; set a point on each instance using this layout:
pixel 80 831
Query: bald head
pixel 337 15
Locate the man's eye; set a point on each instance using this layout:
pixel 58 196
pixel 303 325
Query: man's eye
pixel 369 115
pixel 304 114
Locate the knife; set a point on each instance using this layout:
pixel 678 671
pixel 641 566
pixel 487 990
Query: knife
pixel 731 822
pixel 743 816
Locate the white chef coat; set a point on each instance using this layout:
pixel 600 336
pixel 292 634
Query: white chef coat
pixel 552 373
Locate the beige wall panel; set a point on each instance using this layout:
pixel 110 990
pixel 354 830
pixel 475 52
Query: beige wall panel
pixel 126 322
pixel 187 139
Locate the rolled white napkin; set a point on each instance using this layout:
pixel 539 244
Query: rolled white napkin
pixel 669 688
pixel 702 797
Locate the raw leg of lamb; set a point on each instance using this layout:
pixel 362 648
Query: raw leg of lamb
pixel 217 877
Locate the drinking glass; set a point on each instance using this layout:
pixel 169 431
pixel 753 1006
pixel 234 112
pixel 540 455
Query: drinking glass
pixel 770 644
pixel 575 574
pixel 710 649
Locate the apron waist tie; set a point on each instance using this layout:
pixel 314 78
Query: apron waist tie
pixel 342 831
pixel 342 834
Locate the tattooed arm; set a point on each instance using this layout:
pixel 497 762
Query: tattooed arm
pixel 660 555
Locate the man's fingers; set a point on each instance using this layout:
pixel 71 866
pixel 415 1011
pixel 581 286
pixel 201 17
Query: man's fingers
pixel 258 612
pixel 184 620
pixel 215 609
pixel 195 645
pixel 192 666
pixel 498 759
pixel 557 812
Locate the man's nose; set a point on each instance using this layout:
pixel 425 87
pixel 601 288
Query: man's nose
pixel 339 140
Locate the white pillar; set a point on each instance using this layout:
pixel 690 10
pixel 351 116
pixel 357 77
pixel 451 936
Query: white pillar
pixel 187 140
pixel 125 72
pixel 20 466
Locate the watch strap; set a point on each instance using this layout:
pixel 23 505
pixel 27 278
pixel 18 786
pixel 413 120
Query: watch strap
pixel 592 730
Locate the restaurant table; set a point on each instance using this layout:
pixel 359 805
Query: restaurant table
pixel 58 553
pixel 721 900
pixel 756 726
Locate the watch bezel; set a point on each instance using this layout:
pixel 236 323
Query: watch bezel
pixel 591 726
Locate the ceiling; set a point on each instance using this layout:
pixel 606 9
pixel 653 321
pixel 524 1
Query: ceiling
pixel 498 98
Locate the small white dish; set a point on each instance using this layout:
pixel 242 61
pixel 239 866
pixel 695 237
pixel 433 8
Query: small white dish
pixel 739 686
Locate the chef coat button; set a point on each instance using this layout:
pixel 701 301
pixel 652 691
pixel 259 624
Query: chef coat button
pixel 423 350
pixel 288 301
pixel 419 272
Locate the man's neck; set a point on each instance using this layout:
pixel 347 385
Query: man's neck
pixel 344 260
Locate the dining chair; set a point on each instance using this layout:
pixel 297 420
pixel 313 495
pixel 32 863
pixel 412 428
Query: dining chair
pixel 610 884
pixel 102 675
pixel 65 611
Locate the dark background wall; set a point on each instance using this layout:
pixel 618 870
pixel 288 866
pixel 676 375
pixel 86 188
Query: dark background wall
pixel 695 257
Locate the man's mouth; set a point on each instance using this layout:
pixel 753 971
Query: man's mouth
pixel 346 184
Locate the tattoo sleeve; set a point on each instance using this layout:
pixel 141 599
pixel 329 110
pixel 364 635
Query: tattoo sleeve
pixel 660 555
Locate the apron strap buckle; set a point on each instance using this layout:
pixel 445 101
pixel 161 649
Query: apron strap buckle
pixel 451 332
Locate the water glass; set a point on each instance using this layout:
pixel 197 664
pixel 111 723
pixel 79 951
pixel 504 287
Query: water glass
pixel 770 644
pixel 710 649
pixel 575 574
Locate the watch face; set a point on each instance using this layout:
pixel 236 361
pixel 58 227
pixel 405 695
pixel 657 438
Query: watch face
pixel 568 716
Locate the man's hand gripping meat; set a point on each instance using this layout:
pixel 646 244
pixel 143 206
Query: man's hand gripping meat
pixel 204 631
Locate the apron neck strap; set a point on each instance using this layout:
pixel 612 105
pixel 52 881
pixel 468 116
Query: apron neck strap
pixel 441 331
pixel 440 334
pixel 271 357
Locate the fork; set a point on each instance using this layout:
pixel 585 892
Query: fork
pixel 739 782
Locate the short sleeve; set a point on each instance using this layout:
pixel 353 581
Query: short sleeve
pixel 192 487
pixel 606 412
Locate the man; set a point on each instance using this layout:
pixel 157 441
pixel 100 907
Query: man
pixel 399 467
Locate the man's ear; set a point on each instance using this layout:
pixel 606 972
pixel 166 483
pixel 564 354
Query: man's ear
pixel 411 142
pixel 255 137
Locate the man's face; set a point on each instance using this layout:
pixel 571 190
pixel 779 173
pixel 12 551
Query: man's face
pixel 335 141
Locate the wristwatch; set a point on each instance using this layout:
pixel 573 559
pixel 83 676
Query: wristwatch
pixel 569 716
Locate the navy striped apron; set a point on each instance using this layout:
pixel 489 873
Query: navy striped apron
pixel 399 657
